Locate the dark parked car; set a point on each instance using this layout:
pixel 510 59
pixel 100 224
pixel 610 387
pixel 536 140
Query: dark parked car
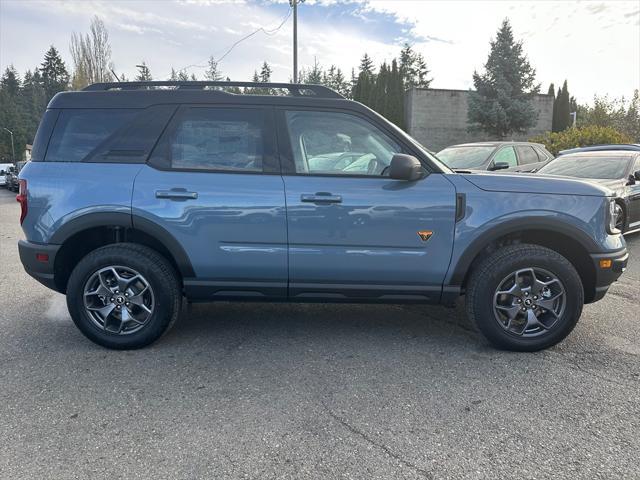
pixel 139 196
pixel 618 170
pixel 511 156
pixel 12 176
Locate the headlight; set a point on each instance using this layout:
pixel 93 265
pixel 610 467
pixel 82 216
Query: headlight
pixel 614 212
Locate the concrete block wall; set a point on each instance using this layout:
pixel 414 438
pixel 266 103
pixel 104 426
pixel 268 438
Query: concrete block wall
pixel 437 118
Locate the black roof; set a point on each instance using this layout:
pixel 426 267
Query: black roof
pixel 145 94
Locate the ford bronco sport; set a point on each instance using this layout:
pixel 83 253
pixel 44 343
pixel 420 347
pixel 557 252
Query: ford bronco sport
pixel 142 194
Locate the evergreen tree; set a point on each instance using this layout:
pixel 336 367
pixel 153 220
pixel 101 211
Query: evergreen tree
pixel 354 81
pixel 213 72
pixel 10 81
pixel 144 74
pixel 366 65
pixel 174 76
pixel 313 76
pixel 396 94
pixel 379 99
pixel 33 101
pixel 55 77
pixel 183 76
pixel 423 80
pixel 413 68
pixel 501 103
pixel 11 114
pixel 334 79
pixel 562 109
pixel 554 120
pixel 265 73
pixel 363 91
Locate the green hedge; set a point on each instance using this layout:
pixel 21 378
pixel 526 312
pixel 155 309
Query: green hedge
pixel 580 137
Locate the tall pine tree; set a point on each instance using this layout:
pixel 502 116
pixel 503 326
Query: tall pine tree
pixel 55 77
pixel 213 71
pixel 501 103
pixel 363 90
pixel 144 74
pixel 562 109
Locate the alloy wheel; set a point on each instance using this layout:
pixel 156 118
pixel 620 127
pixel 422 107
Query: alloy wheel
pixel 529 302
pixel 118 300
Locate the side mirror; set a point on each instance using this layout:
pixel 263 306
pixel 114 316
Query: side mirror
pixel 499 166
pixel 405 167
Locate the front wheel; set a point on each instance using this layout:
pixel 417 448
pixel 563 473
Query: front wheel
pixel 123 296
pixel 525 297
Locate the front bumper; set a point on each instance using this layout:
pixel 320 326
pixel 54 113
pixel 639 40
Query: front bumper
pixel 32 256
pixel 605 276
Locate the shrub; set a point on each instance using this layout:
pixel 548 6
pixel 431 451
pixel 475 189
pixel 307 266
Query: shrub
pixel 580 137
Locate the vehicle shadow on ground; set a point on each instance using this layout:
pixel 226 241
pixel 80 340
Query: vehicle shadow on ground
pixel 328 324
pixel 218 325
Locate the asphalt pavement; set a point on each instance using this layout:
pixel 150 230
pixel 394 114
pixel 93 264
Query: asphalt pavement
pixel 263 391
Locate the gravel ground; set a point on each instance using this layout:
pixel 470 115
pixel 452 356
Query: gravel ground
pixel 313 391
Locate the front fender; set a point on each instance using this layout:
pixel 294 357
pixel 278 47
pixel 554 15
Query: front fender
pixel 491 215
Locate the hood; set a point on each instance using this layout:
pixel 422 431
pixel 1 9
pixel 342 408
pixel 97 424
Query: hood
pixel 531 183
pixel 617 185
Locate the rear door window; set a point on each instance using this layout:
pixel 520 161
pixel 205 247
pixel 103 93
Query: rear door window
pixel 526 155
pixel 543 155
pixel 218 139
pixel 78 132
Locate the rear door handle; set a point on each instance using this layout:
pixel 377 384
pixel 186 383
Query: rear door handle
pixel 321 197
pixel 176 194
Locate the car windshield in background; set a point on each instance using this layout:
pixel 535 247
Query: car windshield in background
pixel 465 157
pixel 604 167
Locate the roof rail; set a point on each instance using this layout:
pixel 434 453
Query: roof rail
pixel 630 147
pixel 295 89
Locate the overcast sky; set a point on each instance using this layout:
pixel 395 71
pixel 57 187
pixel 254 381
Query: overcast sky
pixel 593 44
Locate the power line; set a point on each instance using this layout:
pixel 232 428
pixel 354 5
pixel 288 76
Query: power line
pixel 235 44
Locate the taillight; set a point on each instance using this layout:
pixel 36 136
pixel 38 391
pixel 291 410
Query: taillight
pixel 22 199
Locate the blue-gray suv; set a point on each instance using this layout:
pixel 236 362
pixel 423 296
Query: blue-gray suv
pixel 140 195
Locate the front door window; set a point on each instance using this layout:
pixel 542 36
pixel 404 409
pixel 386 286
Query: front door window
pixel 506 155
pixel 330 143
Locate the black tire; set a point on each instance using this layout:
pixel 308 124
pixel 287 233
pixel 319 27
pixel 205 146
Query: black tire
pixel 159 274
pixel 490 272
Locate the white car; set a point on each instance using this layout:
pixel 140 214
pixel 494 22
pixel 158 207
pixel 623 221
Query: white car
pixel 4 167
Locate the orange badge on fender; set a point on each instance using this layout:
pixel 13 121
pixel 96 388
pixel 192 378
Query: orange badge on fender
pixel 425 235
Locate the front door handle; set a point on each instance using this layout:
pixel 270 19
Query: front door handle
pixel 321 197
pixel 176 194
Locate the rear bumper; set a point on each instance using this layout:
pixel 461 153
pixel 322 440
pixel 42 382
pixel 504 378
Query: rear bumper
pixel 40 269
pixel 605 276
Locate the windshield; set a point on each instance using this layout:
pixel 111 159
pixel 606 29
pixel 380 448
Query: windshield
pixel 602 167
pixel 465 157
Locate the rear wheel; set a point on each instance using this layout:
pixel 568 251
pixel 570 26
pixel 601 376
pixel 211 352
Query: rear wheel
pixel 123 296
pixel 525 297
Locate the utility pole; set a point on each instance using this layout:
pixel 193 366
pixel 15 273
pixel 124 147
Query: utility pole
pixel 294 6
pixel 13 150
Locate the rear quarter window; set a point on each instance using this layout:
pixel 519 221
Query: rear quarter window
pixel 78 132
